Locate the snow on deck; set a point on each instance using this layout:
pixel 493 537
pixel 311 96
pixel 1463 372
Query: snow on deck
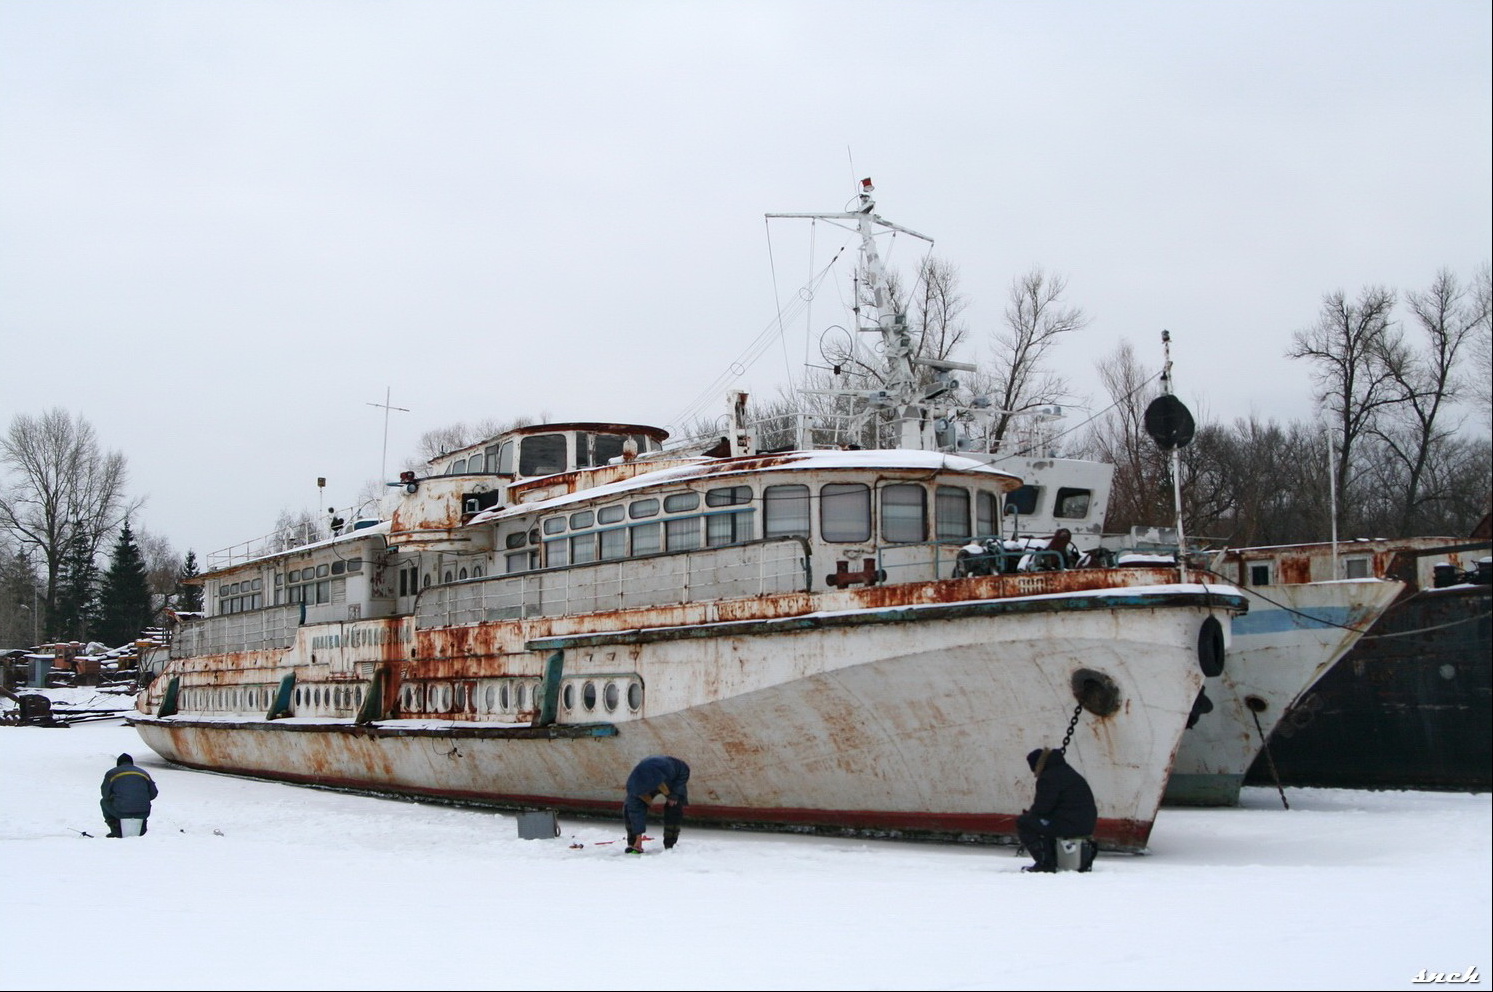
pixel 244 884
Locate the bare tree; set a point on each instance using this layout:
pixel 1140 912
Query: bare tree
pixel 61 486
pixel 1345 348
pixel 1481 346
pixel 1425 382
pixel 1036 318
pixel 1139 495
pixel 437 442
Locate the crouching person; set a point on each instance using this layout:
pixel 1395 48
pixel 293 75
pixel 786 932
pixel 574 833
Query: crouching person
pixel 659 775
pixel 127 792
pixel 1063 807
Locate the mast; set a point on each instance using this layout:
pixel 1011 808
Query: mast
pixel 876 313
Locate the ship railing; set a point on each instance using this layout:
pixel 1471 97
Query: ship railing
pixel 736 571
pixel 256 630
pixel 924 561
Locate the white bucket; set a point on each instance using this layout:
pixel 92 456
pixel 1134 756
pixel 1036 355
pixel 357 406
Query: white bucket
pixel 1070 853
pixel 130 827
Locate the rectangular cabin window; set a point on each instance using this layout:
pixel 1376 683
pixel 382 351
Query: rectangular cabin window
pixel 582 549
pixel 614 543
pixel 679 502
pixel 1356 568
pixel 582 450
pixel 1025 500
pixel 505 458
pixel 647 539
pixel 643 508
pixel 611 514
pixel 727 528
pixel 584 518
pixel 542 454
pixel 729 496
pixel 951 513
pixel 904 513
pixel 986 514
pixel 518 561
pixel 556 553
pixel 785 511
pixel 1259 574
pixel 683 533
pixel 490 458
pixel 554 525
pixel 1072 504
pixel 845 511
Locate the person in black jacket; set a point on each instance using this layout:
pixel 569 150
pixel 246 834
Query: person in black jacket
pixel 1063 807
pixel 127 792
pixel 658 775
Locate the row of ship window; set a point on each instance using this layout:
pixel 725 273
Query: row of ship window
pixel 238 700
pixel 310 585
pixel 845 515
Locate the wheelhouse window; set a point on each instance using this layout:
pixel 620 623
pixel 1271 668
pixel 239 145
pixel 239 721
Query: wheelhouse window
pixel 728 528
pixel 845 511
pixel 904 513
pixel 951 513
pixel 986 514
pixel 542 454
pixel 1259 574
pixel 1072 504
pixel 785 511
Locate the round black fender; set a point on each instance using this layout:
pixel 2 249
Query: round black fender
pixel 1210 647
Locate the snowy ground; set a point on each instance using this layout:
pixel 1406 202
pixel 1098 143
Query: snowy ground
pixel 243 884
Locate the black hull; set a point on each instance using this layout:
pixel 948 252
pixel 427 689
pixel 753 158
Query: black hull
pixel 1410 712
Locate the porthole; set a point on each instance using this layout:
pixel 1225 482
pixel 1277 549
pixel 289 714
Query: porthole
pixel 588 696
pixel 611 697
pixel 569 697
pixel 503 695
pixel 489 696
pixel 298 700
pixel 518 696
pixel 358 697
pixel 635 697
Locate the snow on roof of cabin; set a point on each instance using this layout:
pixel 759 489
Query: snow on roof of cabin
pixel 793 461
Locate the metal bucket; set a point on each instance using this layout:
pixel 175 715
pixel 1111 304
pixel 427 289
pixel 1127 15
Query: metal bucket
pixel 130 827
pixel 1070 853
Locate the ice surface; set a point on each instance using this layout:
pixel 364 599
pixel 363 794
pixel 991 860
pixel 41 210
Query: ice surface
pixel 244 884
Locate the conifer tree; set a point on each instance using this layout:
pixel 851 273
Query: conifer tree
pixel 188 592
pixel 124 607
pixel 72 614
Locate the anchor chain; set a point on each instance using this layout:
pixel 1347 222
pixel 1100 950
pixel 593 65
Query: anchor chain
pixel 1073 723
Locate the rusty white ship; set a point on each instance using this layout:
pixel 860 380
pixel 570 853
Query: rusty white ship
pixel 540 610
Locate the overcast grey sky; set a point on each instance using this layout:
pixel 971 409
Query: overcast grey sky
pixel 226 227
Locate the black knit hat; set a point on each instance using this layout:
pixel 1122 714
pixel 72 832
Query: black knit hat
pixel 125 759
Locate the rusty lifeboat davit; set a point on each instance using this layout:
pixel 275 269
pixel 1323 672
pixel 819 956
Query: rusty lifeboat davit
pixel 540 610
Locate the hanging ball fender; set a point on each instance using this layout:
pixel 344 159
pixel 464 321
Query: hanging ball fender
pixel 1210 647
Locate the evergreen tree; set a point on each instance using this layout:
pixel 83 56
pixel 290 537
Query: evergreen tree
pixel 124 608
pixel 188 591
pixel 73 612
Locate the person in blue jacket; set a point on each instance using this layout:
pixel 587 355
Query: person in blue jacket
pixel 658 775
pixel 1063 807
pixel 127 792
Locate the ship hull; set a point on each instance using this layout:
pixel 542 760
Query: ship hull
pixel 1408 708
pixel 904 721
pixel 1290 638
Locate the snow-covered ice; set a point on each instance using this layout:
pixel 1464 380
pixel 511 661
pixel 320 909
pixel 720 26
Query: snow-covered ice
pixel 246 884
